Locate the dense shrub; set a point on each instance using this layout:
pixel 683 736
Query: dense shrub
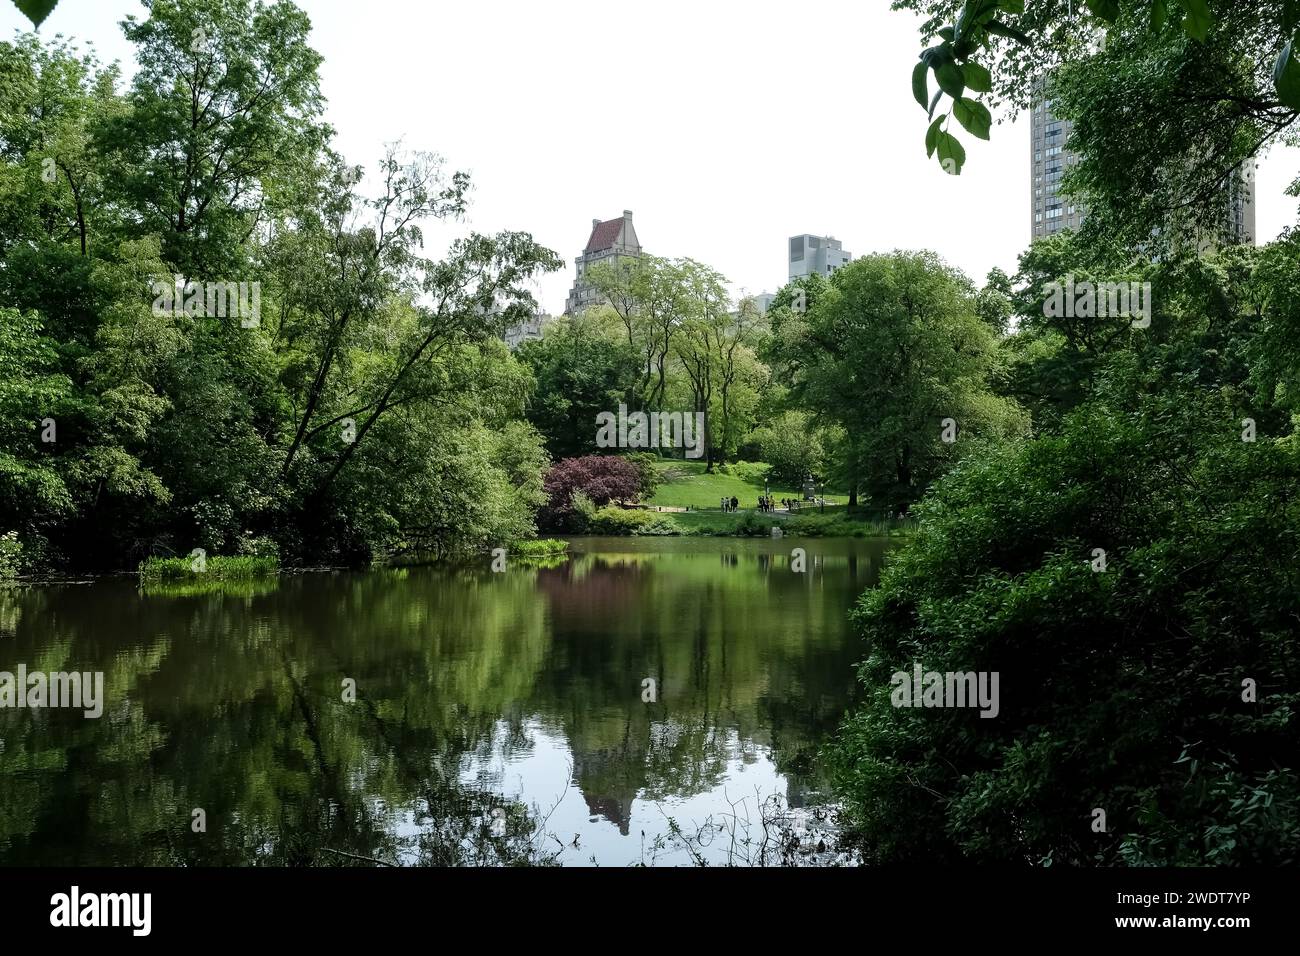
pixel 1121 688
pixel 792 447
pixel 11 555
pixel 258 548
pixel 613 520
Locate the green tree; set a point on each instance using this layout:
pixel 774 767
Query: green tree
pixel 178 428
pixel 580 371
pixel 704 343
pixel 894 353
pixel 647 296
pixel 792 446
pixel 33 490
pixel 224 114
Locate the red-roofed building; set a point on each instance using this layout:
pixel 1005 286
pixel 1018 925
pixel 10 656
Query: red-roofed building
pixel 610 241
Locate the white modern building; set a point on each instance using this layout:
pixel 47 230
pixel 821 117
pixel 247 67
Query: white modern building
pixel 816 254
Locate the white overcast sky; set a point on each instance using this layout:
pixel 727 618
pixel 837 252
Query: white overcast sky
pixel 725 125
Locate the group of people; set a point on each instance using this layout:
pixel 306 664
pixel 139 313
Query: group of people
pixel 765 503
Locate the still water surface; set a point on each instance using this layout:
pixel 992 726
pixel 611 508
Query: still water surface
pixel 478 695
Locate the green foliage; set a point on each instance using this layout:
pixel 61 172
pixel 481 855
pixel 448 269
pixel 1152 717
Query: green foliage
pixel 753 524
pixel 993 302
pixel 1262 292
pixel 1286 76
pixel 694 352
pixel 890 351
pixel 11 555
pixel 1129 678
pixel 460 487
pixel 1170 99
pixel 263 547
pixel 165 570
pixel 186 173
pixel 835 522
pixel 581 370
pixel 1120 688
pixel 364 409
pixel 838 524
pixel 33 489
pixel 974 116
pixel 540 547
pixel 955 73
pixel 792 446
pixel 647 466
pixel 1219 318
pixel 613 520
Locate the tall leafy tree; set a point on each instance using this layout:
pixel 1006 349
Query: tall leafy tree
pixel 894 353
pixel 580 371
pixel 224 116
pixel 178 428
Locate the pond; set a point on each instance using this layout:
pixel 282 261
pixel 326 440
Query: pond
pixel 437 715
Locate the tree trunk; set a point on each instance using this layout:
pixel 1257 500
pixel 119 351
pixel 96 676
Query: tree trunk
pixel 905 468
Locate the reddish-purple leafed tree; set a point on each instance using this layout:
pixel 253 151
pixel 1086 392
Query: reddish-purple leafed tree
pixel 602 478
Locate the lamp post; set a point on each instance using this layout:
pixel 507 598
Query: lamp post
pixel 822 497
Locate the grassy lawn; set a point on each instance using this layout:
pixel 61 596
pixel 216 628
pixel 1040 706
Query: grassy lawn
pixel 835 523
pixel 684 483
